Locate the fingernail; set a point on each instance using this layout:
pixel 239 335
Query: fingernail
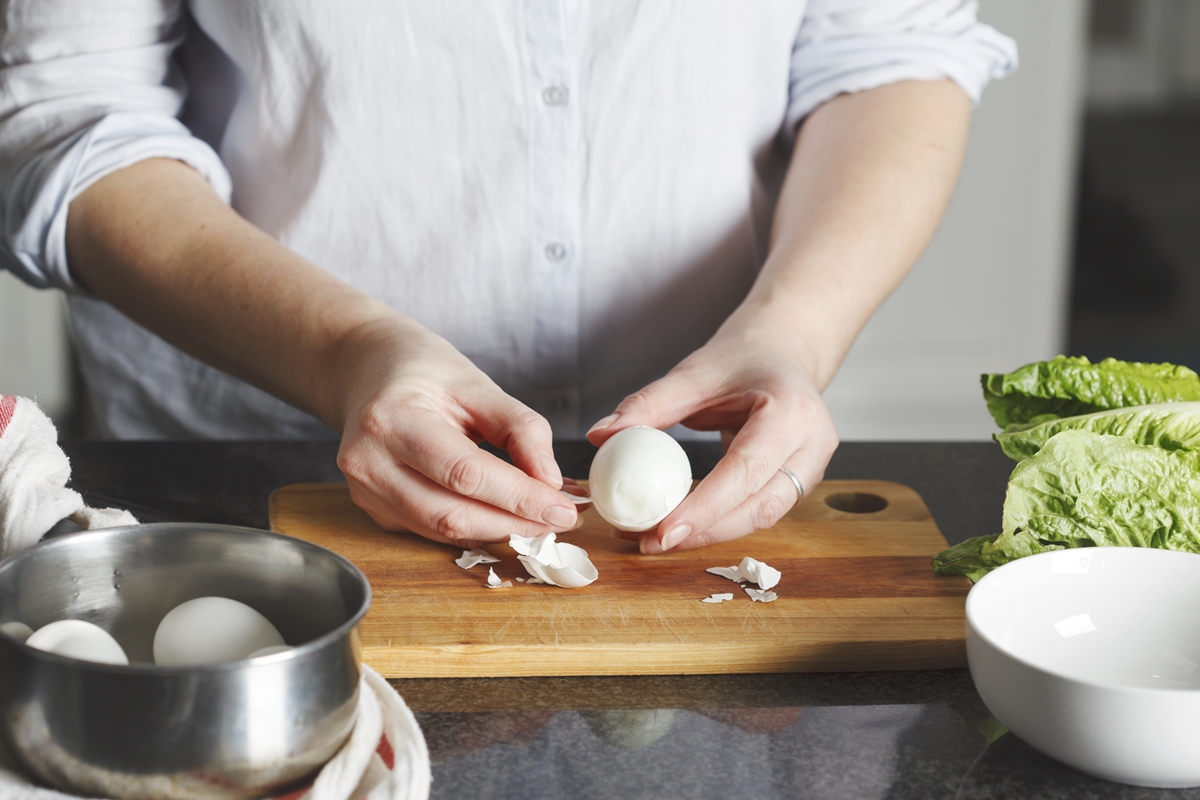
pixel 604 423
pixel 559 517
pixel 676 536
pixel 649 546
pixel 550 467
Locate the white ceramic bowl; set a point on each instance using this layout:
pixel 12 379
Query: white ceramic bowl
pixel 1093 657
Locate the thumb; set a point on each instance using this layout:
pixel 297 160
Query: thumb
pixel 660 405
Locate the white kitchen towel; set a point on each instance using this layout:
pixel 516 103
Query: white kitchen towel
pixel 357 772
pixel 33 480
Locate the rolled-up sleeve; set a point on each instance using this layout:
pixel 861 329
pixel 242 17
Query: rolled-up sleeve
pixel 848 46
pixel 86 88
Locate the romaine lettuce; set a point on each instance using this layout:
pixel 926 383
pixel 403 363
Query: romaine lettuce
pixel 1085 489
pixel 1171 426
pixel 1068 386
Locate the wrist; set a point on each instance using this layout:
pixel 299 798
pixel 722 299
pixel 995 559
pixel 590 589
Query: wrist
pixel 791 325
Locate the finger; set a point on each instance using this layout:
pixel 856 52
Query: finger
pixel 404 499
pixel 660 405
pixel 758 512
pixel 754 456
pixel 438 450
pixel 753 460
pixel 525 434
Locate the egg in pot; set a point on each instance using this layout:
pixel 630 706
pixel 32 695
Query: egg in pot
pixel 212 630
pixel 75 638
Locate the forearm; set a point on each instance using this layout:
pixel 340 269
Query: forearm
pixel 869 179
pixel 155 242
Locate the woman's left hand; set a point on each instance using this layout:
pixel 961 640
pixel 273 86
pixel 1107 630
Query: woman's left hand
pixel 755 390
pixel 869 177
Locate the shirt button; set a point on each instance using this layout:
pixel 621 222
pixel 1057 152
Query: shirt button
pixel 554 95
pixel 556 251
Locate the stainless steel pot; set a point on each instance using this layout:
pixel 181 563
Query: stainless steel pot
pixel 239 730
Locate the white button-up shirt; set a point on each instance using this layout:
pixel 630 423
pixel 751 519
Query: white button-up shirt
pixel 575 193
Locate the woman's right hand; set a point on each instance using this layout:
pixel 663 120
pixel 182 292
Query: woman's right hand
pixel 413 411
pixel 156 242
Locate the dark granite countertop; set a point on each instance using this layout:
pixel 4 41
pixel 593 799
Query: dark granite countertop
pixel 865 735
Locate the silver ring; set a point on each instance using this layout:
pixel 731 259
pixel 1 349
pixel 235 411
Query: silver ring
pixel 799 486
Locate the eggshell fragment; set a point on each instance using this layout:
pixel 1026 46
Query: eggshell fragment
pixel 638 477
pixel 549 561
pixel 75 638
pixel 494 582
pixel 470 558
pixel 718 598
pixel 726 572
pixel 17 630
pixel 760 595
pixel 212 630
pixel 751 570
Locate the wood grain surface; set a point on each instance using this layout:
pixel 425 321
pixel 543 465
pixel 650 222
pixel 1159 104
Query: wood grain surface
pixel 857 593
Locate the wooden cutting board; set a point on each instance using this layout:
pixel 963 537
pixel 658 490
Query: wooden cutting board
pixel 857 593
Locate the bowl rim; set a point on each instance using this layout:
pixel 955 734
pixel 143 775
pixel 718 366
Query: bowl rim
pixel 297 651
pixel 1086 682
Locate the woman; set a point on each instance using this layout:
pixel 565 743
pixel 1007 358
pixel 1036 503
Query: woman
pixel 422 225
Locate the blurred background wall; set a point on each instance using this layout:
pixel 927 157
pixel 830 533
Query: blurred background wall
pixel 1074 229
pixel 34 351
pixel 990 292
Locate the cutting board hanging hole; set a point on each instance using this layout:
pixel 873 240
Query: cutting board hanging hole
pixel 856 502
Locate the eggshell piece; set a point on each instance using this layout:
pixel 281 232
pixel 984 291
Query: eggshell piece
pixel 75 638
pixel 638 477
pixel 750 570
pixel 549 561
pixel 576 570
pixel 494 582
pixel 760 595
pixel 16 630
pixel 212 630
pixel 470 558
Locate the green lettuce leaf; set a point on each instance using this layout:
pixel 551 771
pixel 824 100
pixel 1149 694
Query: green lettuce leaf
pixel 1171 426
pixel 978 556
pixel 1068 386
pixel 1084 489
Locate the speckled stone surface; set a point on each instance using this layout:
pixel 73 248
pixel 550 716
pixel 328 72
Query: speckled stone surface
pixel 839 736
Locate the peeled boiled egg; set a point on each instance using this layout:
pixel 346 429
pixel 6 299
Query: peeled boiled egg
pixel 212 630
pixel 638 477
pixel 75 638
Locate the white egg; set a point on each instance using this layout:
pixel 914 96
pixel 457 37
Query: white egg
pixel 211 630
pixel 75 638
pixel 17 630
pixel 638 477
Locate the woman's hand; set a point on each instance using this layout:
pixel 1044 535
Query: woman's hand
pixel 868 181
pixel 414 413
pixel 757 392
pixel 153 240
